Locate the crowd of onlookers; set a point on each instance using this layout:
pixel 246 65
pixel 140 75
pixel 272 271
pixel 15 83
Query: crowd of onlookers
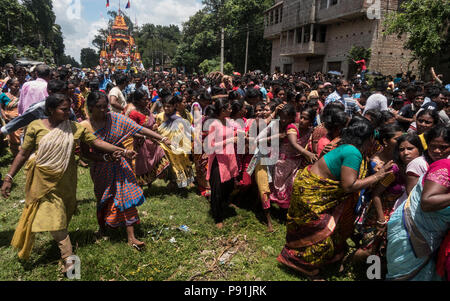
pixel 365 159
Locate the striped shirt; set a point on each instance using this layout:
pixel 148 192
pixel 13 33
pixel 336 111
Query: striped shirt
pixel 351 107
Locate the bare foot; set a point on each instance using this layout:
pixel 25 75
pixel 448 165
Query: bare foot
pixel 66 265
pixel 270 229
pixel 137 244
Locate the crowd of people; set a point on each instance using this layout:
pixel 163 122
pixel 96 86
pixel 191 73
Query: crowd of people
pixel 365 159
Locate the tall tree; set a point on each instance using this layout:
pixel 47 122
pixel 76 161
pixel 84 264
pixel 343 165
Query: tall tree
pixel 67 59
pixel 89 58
pixel 426 24
pixel 31 23
pixel 201 34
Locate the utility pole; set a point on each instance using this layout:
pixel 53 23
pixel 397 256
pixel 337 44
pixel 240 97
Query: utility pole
pixel 246 51
pixel 222 49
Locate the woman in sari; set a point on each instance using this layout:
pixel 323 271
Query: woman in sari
pixel 417 228
pixel 50 190
pixel 177 129
pixel 150 162
pixel 293 153
pixel 388 192
pixel 321 214
pixel 419 166
pixel 334 121
pixel 200 158
pixel 115 184
pixel 9 109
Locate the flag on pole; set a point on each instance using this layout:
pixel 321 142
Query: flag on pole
pixel 128 4
pixel 107 3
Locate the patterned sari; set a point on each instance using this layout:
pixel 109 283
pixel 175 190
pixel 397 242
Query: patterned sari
pixel 320 220
pixel 414 236
pixel 286 168
pixel 174 128
pixel 373 239
pixel 150 162
pixel 115 184
pixel 11 111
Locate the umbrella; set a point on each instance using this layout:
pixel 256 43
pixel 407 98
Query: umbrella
pixel 258 72
pixel 335 73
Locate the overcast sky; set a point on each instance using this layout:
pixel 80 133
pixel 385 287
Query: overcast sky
pixel 81 19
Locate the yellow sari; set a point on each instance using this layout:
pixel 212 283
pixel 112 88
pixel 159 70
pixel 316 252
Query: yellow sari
pixel 320 220
pixel 174 128
pixel 51 175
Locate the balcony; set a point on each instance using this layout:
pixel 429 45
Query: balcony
pixel 344 10
pixel 304 49
pixel 298 13
pixel 272 31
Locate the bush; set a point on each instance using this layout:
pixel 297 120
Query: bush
pixel 208 66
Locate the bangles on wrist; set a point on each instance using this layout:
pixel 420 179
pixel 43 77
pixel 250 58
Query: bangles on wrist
pixel 105 157
pixel 9 176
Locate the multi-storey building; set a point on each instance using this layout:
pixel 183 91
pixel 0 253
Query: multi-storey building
pixel 317 35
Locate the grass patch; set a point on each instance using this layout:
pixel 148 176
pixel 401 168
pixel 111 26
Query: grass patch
pixel 241 251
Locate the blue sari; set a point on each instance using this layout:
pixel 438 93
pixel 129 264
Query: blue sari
pixel 414 236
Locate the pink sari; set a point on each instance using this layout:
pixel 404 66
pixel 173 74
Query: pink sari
pixel 286 168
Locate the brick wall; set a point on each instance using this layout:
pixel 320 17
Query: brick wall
pixel 388 55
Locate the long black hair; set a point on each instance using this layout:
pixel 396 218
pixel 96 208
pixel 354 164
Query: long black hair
pixel 138 95
pixel 413 139
pixel 432 113
pixel 335 118
pixel 437 132
pixel 236 106
pixel 94 97
pixel 358 132
pixel 388 131
pixel 440 131
pixel 54 101
pixel 216 109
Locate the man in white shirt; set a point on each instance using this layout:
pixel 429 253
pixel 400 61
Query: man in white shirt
pixel 116 98
pixel 377 101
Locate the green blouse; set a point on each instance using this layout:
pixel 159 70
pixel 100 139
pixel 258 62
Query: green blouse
pixel 345 155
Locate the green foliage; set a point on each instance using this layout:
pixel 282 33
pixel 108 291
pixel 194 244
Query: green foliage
pixel 157 44
pixel 29 25
pixel 100 39
pixel 208 66
pixel 89 58
pixel 358 53
pixel 426 24
pixel 10 52
pixel 202 34
pixel 67 59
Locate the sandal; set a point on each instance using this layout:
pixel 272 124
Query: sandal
pixel 65 267
pixel 140 248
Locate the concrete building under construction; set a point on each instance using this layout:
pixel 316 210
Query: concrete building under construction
pixel 317 35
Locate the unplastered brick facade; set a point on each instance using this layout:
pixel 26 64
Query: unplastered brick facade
pixel 317 35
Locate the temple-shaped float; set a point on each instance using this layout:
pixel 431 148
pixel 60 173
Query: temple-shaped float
pixel 120 51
